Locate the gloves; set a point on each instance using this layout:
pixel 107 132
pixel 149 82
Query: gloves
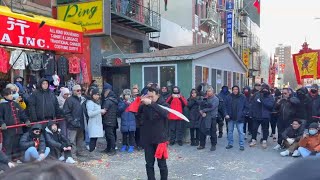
pixel 28 124
pixel 3 126
pixel 313 153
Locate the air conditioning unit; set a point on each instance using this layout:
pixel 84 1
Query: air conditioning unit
pixel 153 49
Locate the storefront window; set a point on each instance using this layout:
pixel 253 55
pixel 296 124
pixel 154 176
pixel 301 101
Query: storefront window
pixel 150 74
pixel 205 75
pixel 235 79
pixel 214 78
pixel 167 76
pixel 163 75
pixel 198 75
pixel 219 80
pixel 225 78
pixel 229 79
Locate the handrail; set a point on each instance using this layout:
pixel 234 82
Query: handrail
pixel 33 123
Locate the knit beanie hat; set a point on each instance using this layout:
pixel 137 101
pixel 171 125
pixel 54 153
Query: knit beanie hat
pixel 127 92
pixel 314 125
pixel 95 91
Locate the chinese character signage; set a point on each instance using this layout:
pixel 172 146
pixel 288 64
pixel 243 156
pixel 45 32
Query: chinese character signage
pixel 230 28
pixel 23 31
pixel 245 57
pixel 92 16
pixel 229 4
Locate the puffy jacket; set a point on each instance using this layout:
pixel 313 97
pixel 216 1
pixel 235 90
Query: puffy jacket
pixel 128 119
pixel 286 109
pixel 262 109
pixel 293 133
pixel 242 107
pixel 177 104
pixel 26 140
pixel 110 104
pixel 55 139
pixel 12 114
pixel 194 112
pixel 43 104
pixel 154 123
pixel 74 113
pixel 312 143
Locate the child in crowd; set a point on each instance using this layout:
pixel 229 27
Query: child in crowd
pixel 128 122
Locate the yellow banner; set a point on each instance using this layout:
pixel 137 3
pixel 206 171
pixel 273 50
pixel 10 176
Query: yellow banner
pixel 88 14
pixel 245 57
pixel 307 65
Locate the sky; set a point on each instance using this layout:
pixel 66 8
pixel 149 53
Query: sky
pixel 289 22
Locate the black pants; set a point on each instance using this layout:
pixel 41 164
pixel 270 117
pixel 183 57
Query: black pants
pixel 247 125
pixel 128 136
pixel 213 135
pixel 10 145
pixel 176 130
pixel 149 152
pixel 137 137
pixel 93 144
pixel 194 134
pixel 265 128
pixel 110 137
pixel 220 125
pixel 273 123
pixel 115 134
pixel 57 152
pixel 282 126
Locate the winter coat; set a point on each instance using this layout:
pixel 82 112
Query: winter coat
pixel 286 109
pixel 12 114
pixel 241 107
pixel 262 109
pixel 74 114
pixel 95 128
pixel 27 141
pixel 293 133
pixel 55 140
pixel 177 104
pixel 194 112
pixel 165 96
pixel 210 107
pixel 154 123
pixel 128 120
pixel 303 110
pixel 223 94
pixel 221 109
pixel 314 109
pixel 43 104
pixel 312 143
pixel 110 104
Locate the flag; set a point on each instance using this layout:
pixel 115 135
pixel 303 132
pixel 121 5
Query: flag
pixel 256 4
pixel 306 65
pixel 165 5
pixel 134 106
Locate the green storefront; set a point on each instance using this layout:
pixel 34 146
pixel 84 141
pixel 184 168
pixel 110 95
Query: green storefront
pixel 188 66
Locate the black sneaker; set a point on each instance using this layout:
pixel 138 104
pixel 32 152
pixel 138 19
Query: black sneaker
pixel 193 143
pixel 172 143
pixel 180 143
pixel 213 148
pixel 200 147
pixel 229 147
pixel 241 148
pixel 220 135
pixel 112 153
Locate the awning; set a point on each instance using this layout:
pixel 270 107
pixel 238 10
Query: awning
pixel 39 32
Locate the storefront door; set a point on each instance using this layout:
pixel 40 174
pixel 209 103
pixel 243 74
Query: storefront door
pixel 118 77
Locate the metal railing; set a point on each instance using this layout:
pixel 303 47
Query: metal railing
pixel 254 42
pixel 244 30
pixel 136 12
pixel 212 15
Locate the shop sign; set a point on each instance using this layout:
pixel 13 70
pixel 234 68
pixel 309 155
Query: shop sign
pixel 229 4
pixel 245 57
pixel 93 16
pixel 24 33
pixel 230 28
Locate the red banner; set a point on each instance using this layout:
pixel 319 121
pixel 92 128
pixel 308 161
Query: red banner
pixel 27 34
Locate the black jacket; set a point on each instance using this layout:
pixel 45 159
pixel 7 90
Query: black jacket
pixel 154 123
pixel 73 111
pixel 293 133
pixel 314 108
pixel 303 109
pixel 286 109
pixel 55 140
pixel 110 104
pixel 43 104
pixel 27 140
pixel 194 112
pixel 12 114
pixel 221 108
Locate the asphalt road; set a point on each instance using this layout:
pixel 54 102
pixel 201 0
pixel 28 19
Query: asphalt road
pixel 187 162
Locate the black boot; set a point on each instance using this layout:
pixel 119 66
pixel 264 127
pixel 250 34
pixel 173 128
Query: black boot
pixel 112 152
pixel 220 135
pixel 193 142
pixel 213 148
pixel 180 143
pixel 196 142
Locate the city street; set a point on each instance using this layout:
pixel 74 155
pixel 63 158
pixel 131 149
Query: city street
pixel 187 162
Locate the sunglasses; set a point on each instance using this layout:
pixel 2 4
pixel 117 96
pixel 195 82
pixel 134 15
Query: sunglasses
pixel 37 131
pixel 78 90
